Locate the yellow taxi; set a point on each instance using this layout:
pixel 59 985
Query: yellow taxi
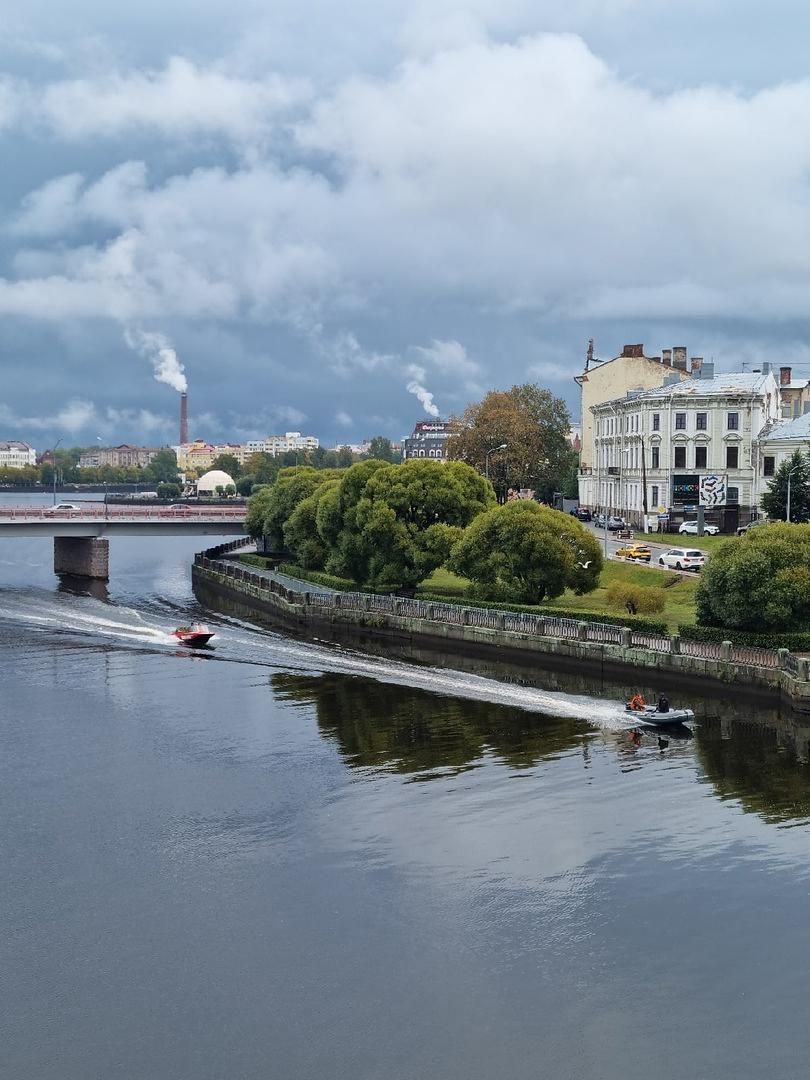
pixel 634 551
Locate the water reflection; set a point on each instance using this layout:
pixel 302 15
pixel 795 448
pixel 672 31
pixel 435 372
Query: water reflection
pixel 765 768
pixel 411 731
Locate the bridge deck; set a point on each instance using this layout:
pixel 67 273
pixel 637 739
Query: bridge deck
pixel 106 520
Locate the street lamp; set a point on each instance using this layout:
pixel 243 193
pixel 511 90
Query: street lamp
pixel 486 457
pixel 57 444
pixel 104 481
pixel 787 507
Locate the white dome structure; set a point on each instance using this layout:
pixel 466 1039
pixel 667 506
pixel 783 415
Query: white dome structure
pixel 210 481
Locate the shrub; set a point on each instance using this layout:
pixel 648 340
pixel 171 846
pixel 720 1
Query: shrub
pixel 796 642
pixel 635 599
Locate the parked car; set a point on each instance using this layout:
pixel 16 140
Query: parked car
pixel 615 523
pixel 62 508
pixel 637 552
pixel 743 529
pixel 683 559
pixel 690 528
pixel 583 514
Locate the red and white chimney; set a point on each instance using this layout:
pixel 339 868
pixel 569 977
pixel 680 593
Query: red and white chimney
pixel 183 419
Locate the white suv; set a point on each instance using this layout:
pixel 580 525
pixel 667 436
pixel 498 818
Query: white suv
pixel 683 559
pixel 691 528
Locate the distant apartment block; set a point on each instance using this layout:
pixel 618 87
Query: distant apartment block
pixel 429 439
pixel 281 444
pixel 123 456
pixel 16 455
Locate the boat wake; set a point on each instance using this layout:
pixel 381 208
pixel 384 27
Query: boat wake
pixel 84 618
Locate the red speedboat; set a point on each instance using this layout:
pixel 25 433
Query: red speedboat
pixel 198 634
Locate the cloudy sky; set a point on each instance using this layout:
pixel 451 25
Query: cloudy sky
pixel 346 216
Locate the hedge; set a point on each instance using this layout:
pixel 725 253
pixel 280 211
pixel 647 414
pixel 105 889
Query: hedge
pixel 797 642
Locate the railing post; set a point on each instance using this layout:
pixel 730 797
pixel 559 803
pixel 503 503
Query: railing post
pixel 465 617
pixel 804 669
pixel 336 600
pixel 783 655
pixel 582 631
pixel 306 599
pixel 501 621
pixel 675 644
pixel 627 637
pixel 725 650
pixel 366 602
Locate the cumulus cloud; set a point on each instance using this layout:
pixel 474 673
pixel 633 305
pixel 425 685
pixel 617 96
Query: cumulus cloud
pixel 525 191
pixel 80 416
pixel 180 100
pixel 343 419
pixel 496 177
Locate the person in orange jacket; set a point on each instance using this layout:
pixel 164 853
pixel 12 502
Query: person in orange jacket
pixel 636 703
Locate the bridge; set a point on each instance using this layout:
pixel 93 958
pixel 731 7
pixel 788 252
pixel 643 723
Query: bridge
pixel 80 537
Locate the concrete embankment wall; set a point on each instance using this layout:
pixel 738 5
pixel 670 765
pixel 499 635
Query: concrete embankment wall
pixel 329 616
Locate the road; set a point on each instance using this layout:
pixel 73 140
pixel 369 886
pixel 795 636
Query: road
pixel 656 547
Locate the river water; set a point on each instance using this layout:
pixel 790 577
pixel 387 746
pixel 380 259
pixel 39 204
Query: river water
pixel 294 860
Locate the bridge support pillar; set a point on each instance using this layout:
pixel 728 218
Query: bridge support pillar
pixel 82 556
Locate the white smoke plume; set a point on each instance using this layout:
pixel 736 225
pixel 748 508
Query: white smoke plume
pixel 158 351
pixel 415 386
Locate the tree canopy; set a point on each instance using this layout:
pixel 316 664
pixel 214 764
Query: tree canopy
pixel 760 581
pixel 163 467
pixel 381 448
pixel 532 423
pixel 384 525
pixel 525 553
pixel 227 463
pixel 774 501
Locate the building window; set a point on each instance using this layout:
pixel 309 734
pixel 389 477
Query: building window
pixel 680 457
pixel 655 457
pixel 700 457
pixel 654 492
pixel 732 495
pixel 732 457
pixel 680 421
pixel 733 421
pixel 768 466
pixel 700 421
pixel 656 421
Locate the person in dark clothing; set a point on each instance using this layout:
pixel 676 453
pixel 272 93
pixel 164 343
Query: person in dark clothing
pixel 663 703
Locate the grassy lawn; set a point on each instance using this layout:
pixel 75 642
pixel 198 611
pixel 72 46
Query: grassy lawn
pixel 680 591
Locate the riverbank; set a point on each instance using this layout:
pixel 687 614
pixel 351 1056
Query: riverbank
pixel 594 646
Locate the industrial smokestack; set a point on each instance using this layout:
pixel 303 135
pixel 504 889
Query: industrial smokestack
pixel 183 418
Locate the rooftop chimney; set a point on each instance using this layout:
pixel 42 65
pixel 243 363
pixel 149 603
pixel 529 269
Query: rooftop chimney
pixel 667 357
pixel 697 366
pixel 183 419
pixel 785 376
pixel 679 357
pixel 633 350
pixel 707 371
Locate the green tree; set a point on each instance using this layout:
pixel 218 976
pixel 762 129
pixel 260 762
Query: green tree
pixel 227 463
pixel 257 508
pixel 163 467
pixel 381 448
pixel 759 582
pixel 532 423
pixel 345 457
pixel 525 553
pixel 169 491
pixel 301 534
pixel 263 466
pixel 774 501
pixel 397 524
pixel 292 486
